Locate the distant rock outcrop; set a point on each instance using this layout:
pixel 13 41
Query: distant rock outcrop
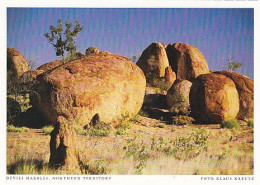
pixel 30 75
pixel 186 61
pixel 50 65
pixel 178 97
pixel 91 50
pixel 16 63
pixel 108 85
pixel 153 62
pixel 213 98
pixel 245 88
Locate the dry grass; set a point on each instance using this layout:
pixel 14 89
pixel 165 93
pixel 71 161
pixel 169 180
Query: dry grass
pixel 143 147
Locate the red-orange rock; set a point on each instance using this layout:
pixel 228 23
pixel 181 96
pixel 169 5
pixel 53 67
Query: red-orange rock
pixel 170 76
pixel 245 88
pixel 178 97
pixel 30 75
pixel 186 61
pixel 108 85
pixel 153 62
pixel 50 65
pixel 213 98
pixel 16 63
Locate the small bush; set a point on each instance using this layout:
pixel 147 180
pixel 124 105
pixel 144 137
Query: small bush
pixel 250 123
pixel 231 124
pixel 47 129
pixel 101 130
pixel 182 120
pixel 121 129
pixel 11 128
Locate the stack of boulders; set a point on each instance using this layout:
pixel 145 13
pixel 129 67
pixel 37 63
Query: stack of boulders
pixel 210 97
pixel 155 65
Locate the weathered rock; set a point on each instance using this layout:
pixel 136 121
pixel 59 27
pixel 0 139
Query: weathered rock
pixel 63 146
pixel 30 75
pixel 178 97
pixel 245 88
pixel 186 61
pixel 213 98
pixel 91 50
pixel 50 65
pixel 16 64
pixel 153 61
pixel 170 76
pixel 108 85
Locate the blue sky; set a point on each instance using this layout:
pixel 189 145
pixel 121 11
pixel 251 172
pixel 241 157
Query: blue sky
pixel 217 33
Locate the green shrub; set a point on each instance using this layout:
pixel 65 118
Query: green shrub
pixel 11 128
pixel 121 129
pixel 47 129
pixel 231 124
pixel 250 122
pixel 101 130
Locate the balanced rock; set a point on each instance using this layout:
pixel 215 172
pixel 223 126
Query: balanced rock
pixel 178 97
pixel 16 63
pixel 91 50
pixel 170 76
pixel 153 61
pixel 50 65
pixel 245 88
pixel 186 61
pixel 213 98
pixel 107 85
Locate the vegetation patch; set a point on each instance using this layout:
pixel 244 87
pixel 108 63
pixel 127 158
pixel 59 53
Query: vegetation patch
pixel 47 129
pixel 250 123
pixel 230 124
pixel 12 128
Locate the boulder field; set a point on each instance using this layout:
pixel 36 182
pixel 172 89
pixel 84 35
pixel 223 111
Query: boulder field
pixel 105 84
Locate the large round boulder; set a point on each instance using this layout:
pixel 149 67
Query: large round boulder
pixel 108 85
pixel 245 88
pixel 178 97
pixel 213 98
pixel 16 63
pixel 186 61
pixel 153 61
pixel 50 65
